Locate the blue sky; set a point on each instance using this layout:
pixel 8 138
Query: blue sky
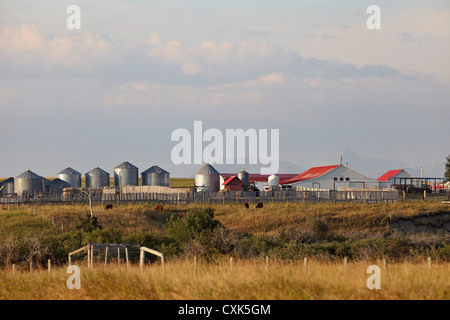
pixel 116 89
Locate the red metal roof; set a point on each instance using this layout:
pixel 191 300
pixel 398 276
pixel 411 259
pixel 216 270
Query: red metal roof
pixel 311 173
pixel 388 175
pixel 228 180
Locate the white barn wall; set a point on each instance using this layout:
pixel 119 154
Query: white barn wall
pixel 401 174
pixel 326 181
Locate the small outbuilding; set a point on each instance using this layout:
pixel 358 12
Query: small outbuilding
pixel 233 184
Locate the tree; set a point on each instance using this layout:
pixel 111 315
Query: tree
pixel 89 194
pixel 447 169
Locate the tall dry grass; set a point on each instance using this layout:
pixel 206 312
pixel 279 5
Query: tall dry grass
pixel 249 279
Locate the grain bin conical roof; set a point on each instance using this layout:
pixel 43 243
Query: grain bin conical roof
pixel 97 171
pixel 126 165
pixel 154 169
pixel 69 171
pixel 28 175
pixel 207 169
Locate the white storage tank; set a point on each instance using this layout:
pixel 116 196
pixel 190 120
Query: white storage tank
pixel 273 181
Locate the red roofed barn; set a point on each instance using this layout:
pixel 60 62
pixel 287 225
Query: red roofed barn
pixel 233 184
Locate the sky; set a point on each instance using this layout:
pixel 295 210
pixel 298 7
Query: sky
pixel 117 88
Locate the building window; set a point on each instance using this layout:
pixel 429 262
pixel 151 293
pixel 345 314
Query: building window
pixel 347 179
pixel 341 179
pixel 335 179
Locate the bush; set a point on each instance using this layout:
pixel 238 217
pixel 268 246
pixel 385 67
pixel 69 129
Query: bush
pixel 199 233
pixel 88 223
pixel 193 225
pixel 318 226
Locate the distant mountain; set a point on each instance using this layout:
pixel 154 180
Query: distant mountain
pixel 190 170
pixel 285 167
pixel 374 168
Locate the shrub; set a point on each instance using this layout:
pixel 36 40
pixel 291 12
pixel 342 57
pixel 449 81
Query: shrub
pixel 318 226
pixel 88 223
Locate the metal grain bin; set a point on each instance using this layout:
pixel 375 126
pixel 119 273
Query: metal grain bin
pixel 57 186
pixel 97 178
pixel 245 177
pixel 28 183
pixel 155 176
pixel 7 187
pixel 207 179
pixel 71 176
pixel 126 174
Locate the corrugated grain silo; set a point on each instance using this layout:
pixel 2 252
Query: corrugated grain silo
pixel 126 174
pixel 7 187
pixel 207 179
pixel 244 177
pixel 97 178
pixel 28 183
pixel 71 176
pixel 57 185
pixel 155 176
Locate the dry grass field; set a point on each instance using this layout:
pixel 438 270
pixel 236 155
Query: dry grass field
pixel 245 280
pixel 248 279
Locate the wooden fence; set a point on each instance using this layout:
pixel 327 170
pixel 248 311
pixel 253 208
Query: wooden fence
pixel 363 196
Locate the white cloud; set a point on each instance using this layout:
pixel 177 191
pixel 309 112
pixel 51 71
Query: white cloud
pixel 27 46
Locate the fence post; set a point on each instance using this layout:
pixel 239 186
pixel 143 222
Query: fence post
pixel 13 268
pixel 429 263
pixel 141 260
pixel 49 265
pixel 106 255
pixel 305 263
pixel 385 263
pixel 231 263
pixel 92 255
pixel 89 256
pixel 118 256
pixel 126 256
pixel 267 262
pixel 345 263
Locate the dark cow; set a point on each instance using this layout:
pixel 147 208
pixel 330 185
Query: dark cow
pixel 159 207
pixel 108 207
pixel 259 205
pixel 246 205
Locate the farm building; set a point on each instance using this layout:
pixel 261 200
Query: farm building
pixel 402 180
pixel 335 177
pixel 391 175
pixel 233 184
